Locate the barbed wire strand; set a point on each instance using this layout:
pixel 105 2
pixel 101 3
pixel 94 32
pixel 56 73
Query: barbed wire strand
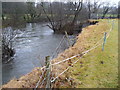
pixel 79 58
pixel 84 53
pixel 53 55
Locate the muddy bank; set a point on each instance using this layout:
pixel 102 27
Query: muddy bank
pixel 30 80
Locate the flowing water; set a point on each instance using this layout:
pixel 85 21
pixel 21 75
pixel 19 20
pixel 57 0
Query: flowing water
pixel 36 42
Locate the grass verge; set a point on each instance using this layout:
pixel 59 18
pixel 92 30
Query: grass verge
pixel 99 69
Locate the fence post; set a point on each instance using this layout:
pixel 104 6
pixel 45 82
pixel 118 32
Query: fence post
pixel 104 41
pixel 47 62
pixel 112 24
pixel 67 38
pixel 108 21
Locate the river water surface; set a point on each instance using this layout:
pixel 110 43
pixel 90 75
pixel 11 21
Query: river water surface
pixel 31 47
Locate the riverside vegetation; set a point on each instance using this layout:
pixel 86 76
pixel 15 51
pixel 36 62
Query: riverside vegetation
pixel 98 69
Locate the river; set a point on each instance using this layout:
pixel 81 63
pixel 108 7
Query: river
pixel 31 48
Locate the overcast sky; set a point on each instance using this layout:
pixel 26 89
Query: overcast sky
pixel 110 1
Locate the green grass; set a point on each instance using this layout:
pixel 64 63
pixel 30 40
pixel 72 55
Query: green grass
pixel 108 15
pixel 99 69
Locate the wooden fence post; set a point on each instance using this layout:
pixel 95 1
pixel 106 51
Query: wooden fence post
pixel 112 24
pixel 47 62
pixel 104 41
pixel 67 38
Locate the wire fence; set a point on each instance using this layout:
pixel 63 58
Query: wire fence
pixel 84 53
pixel 57 49
pixel 66 41
pixel 100 42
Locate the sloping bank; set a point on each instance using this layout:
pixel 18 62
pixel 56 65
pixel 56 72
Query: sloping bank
pixel 87 39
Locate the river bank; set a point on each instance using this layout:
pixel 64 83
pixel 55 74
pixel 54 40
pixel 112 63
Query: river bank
pixel 32 44
pixel 88 37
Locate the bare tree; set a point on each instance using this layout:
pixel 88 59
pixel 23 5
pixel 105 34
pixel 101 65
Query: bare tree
pixel 31 12
pixel 105 8
pixel 78 8
pixel 93 7
pixel 114 11
pixel 61 15
pixel 89 6
pixel 38 10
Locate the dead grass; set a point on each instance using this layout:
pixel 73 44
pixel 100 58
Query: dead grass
pixel 89 36
pixel 26 81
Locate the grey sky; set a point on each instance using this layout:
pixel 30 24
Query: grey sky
pixel 110 1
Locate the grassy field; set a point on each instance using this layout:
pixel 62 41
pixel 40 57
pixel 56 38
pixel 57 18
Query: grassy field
pixel 99 69
pixel 108 15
